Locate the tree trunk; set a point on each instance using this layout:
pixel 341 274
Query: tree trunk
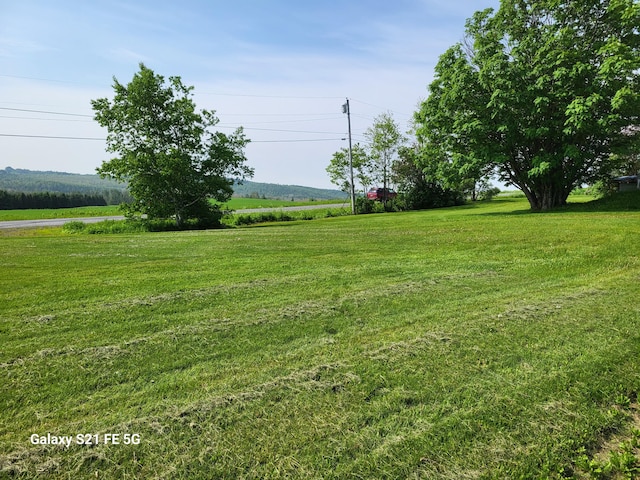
pixel 179 220
pixel 547 197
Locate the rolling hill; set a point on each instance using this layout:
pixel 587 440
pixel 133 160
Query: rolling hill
pixel 21 180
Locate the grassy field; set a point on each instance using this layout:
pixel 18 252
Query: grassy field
pixel 79 212
pixel 475 342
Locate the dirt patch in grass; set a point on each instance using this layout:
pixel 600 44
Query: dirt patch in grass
pixel 618 457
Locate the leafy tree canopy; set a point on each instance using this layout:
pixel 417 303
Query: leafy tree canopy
pixel 167 151
pixel 339 172
pixel 384 139
pixel 544 91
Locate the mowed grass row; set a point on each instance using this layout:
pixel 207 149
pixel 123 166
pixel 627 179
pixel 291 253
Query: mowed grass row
pixel 473 342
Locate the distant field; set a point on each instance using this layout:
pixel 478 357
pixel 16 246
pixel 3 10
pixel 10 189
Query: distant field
pixel 234 204
pixel 46 213
pixel 245 203
pixel 482 341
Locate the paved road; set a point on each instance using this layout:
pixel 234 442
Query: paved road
pixel 57 222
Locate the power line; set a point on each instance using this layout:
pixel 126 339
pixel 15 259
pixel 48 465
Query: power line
pixel 280 130
pixel 272 114
pixel 293 141
pixel 45 119
pixel 50 112
pixel 282 121
pixel 45 111
pixel 104 139
pixel 50 136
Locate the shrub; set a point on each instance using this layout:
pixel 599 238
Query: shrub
pixel 138 225
pixel 430 196
pixel 74 227
pixel 488 193
pixel 364 205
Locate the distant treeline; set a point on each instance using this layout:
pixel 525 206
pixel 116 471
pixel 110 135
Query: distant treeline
pixel 29 181
pixel 20 180
pixel 37 200
pixel 250 189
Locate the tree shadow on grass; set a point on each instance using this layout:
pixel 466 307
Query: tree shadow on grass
pixel 617 202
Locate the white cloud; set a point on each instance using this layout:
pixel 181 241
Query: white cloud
pixel 15 47
pixel 250 66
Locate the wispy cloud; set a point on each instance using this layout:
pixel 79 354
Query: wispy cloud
pixel 280 61
pixel 16 47
pixel 127 56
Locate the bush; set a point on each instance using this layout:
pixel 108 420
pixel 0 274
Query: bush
pixel 74 227
pixel 137 225
pixel 253 218
pixel 488 193
pixel 602 188
pixel 280 216
pixel 365 205
pixel 430 196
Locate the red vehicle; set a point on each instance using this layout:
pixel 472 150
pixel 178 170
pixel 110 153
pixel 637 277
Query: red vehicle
pixel 379 194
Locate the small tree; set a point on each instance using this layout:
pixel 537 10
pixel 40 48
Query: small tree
pixel 338 168
pixel 384 139
pixel 167 151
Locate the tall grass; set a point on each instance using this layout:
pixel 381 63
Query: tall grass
pixel 473 342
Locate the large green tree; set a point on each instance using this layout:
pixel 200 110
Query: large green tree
pixel 173 160
pixel 542 90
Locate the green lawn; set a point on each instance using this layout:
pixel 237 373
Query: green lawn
pixel 475 342
pixel 47 213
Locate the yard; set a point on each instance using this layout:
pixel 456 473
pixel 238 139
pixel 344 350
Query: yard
pixel 480 341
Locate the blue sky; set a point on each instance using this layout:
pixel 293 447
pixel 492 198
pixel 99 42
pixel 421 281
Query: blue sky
pixel 280 68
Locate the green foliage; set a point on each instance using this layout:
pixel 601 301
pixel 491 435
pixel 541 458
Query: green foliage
pixel 430 195
pixel 167 152
pixel 284 192
pixel 137 225
pixel 365 205
pixel 74 227
pixel 30 181
pixel 282 216
pixel 384 140
pixel 63 189
pixel 109 227
pixel 115 193
pixel 543 91
pixel 622 462
pixel 488 193
pixel 420 187
pixel 339 171
pixel 43 200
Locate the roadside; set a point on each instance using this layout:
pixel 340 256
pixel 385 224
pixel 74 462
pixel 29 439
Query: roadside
pixel 57 222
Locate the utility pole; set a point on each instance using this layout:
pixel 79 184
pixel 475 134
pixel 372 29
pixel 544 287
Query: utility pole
pixel 345 109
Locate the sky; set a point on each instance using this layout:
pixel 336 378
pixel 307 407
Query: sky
pixel 281 69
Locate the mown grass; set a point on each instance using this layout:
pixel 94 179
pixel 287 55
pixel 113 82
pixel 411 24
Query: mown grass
pixel 474 342
pixel 48 213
